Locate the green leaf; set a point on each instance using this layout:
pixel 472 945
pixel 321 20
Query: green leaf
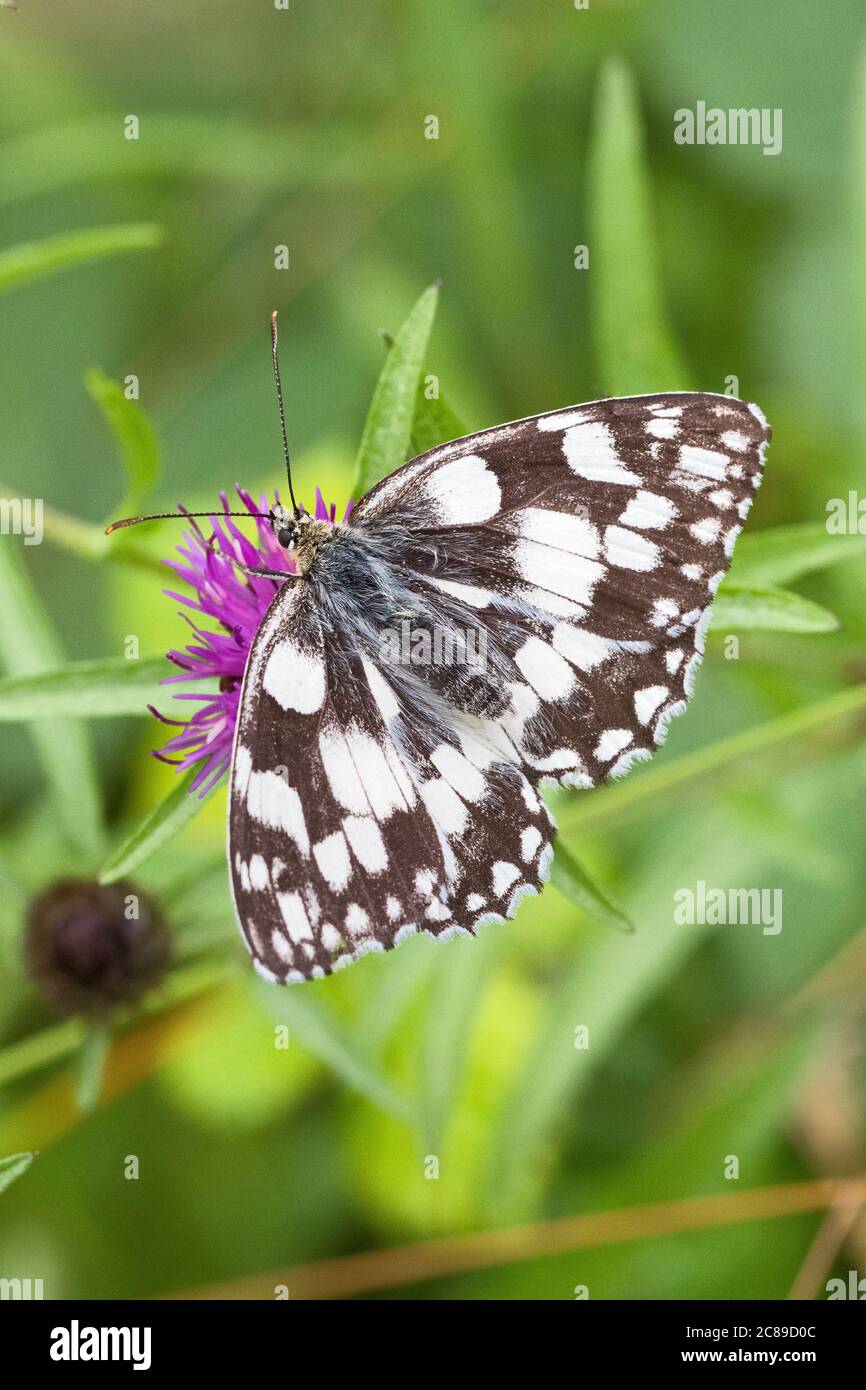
pixel 39 1050
pixel 458 986
pixel 33 260
pixel 612 978
pixel 91 1066
pixel 433 420
pixel 385 443
pixel 29 645
pixel 161 824
pixel 661 778
pixel 784 553
pixel 433 423
pixel 237 153
pixel 573 881
pixel 635 350
pixel 12 1168
pixel 86 689
pixel 319 1030
pixel 87 541
pixel 134 435
pixel 738 607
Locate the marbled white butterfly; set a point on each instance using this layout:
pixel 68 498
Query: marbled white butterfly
pixel 523 605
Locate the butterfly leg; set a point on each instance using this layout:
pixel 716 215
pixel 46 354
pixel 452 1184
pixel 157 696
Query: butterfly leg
pixel 260 572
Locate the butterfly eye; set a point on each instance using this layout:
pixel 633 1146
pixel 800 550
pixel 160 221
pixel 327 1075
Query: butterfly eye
pixel 286 537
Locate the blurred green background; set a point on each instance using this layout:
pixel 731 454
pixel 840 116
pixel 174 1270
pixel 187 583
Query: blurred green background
pixel 305 128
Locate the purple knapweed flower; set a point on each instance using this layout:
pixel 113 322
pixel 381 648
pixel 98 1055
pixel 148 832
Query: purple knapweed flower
pixel 237 602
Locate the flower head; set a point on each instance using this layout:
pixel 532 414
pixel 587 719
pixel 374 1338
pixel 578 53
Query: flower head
pixel 237 601
pixel 90 946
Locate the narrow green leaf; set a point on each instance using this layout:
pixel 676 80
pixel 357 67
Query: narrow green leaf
pixel 609 982
pixel 161 824
pixel 739 607
pixel 635 350
pixel 91 1066
pixel 433 423
pixel 39 1050
pixel 33 260
pixel 12 1168
pixel 433 420
pixel 86 689
pixel 385 443
pixel 29 645
pixel 576 884
pixel 87 541
pixel 134 435
pixel 322 1033
pixel 615 800
pixel 223 147
pixel 457 990
pixel 782 554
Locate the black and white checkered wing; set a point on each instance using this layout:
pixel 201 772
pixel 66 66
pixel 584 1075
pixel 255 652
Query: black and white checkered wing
pixel 355 812
pixel 525 604
pixel 589 544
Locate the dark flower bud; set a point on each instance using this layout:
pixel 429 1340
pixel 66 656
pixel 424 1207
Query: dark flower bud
pixel 90 946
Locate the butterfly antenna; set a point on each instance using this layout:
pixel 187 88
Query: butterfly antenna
pixel 183 516
pixel 274 345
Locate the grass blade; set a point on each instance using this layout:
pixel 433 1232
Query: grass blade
pixel 91 1066
pixel 433 423
pixel 573 881
pixel 386 441
pixel 433 420
pixel 29 645
pixel 134 436
pixel 86 689
pixel 457 990
pixel 611 979
pixel 782 554
pixel 33 260
pixel 12 1168
pixel 742 607
pixel 319 1030
pixel 163 823
pixel 662 778
pixel 635 349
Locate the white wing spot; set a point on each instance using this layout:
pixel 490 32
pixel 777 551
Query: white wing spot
pixel 662 427
pixel 705 463
pixel 444 806
pixel 529 842
pixel 464 491
pixel 295 917
pixel 504 874
pixel 733 439
pixel 332 857
pixel 467 593
pixel 559 529
pixel 367 844
pixel 546 671
pixel 706 531
pixel 466 780
pixel 612 742
pixel 259 876
pixel 590 453
pixel 272 802
pixel 647 701
pixel 628 550
pixel 648 512
pixel 295 678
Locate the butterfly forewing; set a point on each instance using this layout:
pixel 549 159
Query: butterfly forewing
pixel 570 560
